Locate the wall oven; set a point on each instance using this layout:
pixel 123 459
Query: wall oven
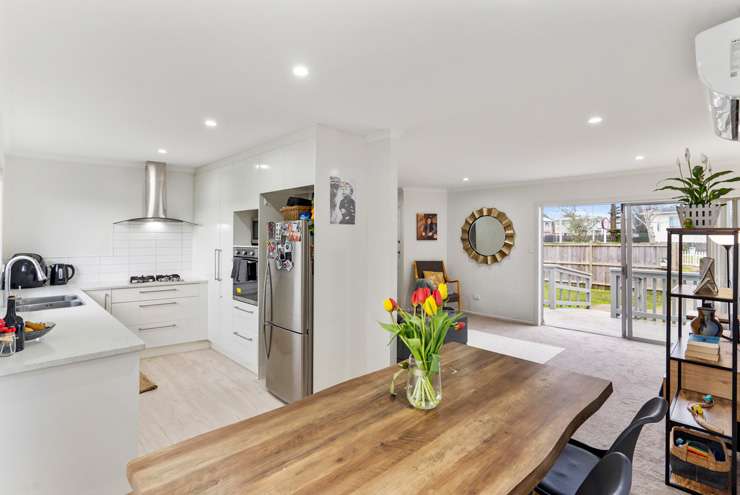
pixel 244 275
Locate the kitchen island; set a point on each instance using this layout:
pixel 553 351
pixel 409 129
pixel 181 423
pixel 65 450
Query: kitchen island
pixel 76 390
pixel 500 426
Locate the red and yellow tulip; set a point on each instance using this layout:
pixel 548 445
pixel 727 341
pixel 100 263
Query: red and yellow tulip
pixel 437 297
pixel 390 305
pixel 420 295
pixel 442 288
pixel 430 306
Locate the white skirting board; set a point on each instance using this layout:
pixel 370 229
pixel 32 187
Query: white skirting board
pixel 522 349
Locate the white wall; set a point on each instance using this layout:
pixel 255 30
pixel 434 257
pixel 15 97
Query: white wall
pixel 510 289
pixel 67 209
pixel 355 265
pixel 413 201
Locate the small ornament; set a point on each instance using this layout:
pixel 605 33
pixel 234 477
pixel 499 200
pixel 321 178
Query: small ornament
pixel 707 285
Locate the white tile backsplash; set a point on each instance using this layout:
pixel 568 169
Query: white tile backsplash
pixel 138 249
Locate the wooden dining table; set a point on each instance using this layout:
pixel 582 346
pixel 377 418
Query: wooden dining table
pixel 500 426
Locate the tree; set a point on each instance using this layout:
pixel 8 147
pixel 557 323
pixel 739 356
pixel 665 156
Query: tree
pixel 644 216
pixel 579 227
pixel 615 217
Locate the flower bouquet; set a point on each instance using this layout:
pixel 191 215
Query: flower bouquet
pixel 423 332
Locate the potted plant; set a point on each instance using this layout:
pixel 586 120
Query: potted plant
pixel 700 190
pixel 423 332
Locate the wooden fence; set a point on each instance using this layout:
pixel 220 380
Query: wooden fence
pixel 599 258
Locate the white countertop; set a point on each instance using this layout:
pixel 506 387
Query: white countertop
pixel 82 333
pixel 127 285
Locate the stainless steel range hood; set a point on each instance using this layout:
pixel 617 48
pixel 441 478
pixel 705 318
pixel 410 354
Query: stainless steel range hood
pixel 155 207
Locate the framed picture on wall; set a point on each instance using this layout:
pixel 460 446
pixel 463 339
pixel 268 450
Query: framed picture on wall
pixel 341 201
pixel 426 226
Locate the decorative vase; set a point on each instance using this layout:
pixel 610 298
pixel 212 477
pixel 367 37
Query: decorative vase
pixel 699 216
pixel 423 386
pixel 706 323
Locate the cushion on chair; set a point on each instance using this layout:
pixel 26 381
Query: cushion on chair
pixel 435 277
pixel 428 266
pixel 569 471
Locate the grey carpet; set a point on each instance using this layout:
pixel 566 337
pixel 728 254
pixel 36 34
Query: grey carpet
pixel 635 369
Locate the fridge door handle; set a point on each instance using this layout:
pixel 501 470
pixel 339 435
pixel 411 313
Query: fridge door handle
pixel 268 301
pixel 215 265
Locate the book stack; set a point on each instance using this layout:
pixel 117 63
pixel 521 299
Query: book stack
pixel 702 347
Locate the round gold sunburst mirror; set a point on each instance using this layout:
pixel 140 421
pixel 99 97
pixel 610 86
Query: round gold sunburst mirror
pixel 487 235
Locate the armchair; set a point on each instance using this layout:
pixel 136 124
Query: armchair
pixel 439 266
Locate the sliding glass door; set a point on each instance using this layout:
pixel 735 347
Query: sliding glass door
pixel 643 276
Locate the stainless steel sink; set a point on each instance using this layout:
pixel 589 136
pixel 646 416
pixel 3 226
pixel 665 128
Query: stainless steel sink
pixel 27 304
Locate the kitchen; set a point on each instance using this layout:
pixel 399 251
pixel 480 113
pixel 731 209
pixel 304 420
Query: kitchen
pixel 194 307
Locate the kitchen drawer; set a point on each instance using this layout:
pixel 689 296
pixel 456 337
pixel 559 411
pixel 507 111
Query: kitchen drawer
pixel 152 293
pixel 156 311
pixel 243 340
pixel 170 332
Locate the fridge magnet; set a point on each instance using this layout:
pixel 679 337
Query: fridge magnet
pixel 426 226
pixel 341 201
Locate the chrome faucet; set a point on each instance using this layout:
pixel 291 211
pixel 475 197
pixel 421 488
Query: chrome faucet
pixel 40 275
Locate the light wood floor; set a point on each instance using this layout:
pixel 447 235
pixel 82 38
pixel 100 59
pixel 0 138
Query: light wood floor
pixel 198 392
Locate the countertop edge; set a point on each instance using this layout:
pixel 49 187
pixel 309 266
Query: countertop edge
pixel 74 360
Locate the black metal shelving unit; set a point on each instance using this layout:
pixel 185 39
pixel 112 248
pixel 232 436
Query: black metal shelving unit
pixel 674 352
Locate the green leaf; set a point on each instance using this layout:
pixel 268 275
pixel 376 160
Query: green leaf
pixel 434 367
pixel 718 174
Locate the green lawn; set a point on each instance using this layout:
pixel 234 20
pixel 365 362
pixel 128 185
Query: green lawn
pixel 603 297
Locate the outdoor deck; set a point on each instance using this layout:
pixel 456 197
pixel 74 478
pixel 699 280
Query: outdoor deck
pixel 599 321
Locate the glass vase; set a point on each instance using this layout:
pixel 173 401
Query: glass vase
pixel 423 386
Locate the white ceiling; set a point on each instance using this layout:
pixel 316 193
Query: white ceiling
pixel 497 90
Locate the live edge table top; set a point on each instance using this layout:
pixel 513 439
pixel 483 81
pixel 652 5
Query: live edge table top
pixel 500 426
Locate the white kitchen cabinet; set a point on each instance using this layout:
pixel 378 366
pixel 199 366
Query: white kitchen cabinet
pixel 291 165
pixel 207 243
pixel 101 296
pixel 219 192
pixel 153 293
pixel 163 315
pixel 244 338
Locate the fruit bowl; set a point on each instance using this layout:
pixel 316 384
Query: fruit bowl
pixel 35 335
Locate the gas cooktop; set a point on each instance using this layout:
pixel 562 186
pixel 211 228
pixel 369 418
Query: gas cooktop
pixel 147 279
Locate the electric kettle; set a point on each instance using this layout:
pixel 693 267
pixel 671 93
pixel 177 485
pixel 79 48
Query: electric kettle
pixel 61 274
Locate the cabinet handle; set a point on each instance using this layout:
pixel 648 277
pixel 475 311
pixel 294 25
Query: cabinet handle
pixel 244 310
pixel 156 328
pixel 218 264
pixel 215 265
pixel 156 290
pixel 250 339
pixel 105 302
pixel 156 304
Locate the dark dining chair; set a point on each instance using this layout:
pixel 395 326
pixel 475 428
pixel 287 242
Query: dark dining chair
pixel 611 476
pixel 577 459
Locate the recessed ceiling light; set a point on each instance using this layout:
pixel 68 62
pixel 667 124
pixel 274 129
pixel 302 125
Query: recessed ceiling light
pixel 640 157
pixel 162 151
pixel 465 179
pixel 261 166
pixel 210 123
pixel 300 71
pixel 595 120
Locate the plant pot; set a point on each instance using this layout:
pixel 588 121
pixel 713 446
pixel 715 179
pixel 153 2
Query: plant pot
pixel 699 215
pixel 423 386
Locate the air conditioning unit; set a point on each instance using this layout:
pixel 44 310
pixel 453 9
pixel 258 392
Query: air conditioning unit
pixel 718 64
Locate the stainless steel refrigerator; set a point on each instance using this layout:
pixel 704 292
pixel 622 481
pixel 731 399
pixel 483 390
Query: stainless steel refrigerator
pixel 287 315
